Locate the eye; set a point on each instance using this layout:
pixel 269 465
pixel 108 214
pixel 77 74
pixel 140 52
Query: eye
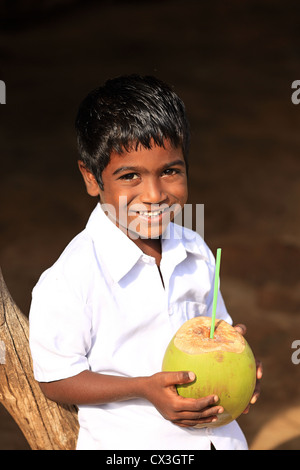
pixel 129 176
pixel 171 171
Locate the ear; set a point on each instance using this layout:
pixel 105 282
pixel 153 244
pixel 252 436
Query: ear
pixel 91 184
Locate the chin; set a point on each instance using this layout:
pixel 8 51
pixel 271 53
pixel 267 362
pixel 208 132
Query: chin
pixel 146 232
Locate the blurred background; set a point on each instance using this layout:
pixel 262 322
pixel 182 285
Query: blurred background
pixel 233 63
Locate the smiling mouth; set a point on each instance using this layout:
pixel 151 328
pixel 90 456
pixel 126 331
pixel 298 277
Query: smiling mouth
pixel 161 214
pixel 151 213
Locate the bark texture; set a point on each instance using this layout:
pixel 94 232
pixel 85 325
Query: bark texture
pixel 45 424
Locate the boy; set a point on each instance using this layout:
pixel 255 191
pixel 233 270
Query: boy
pixel 103 314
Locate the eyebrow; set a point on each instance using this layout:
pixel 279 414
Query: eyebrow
pixel 140 168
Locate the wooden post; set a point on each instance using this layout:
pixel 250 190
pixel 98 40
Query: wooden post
pixel 45 424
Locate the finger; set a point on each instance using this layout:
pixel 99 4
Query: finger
pixel 253 399
pixel 193 419
pixel 209 412
pixel 259 369
pixel 192 423
pixel 241 328
pixel 201 413
pixel 179 378
pixel 206 402
pixel 197 404
pixel 255 396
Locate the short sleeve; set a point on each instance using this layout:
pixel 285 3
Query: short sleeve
pixel 59 328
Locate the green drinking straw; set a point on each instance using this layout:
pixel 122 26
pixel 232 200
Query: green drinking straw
pixel 216 288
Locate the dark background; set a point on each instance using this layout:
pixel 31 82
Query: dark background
pixel 233 63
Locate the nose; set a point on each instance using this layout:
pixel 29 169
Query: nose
pixel 153 192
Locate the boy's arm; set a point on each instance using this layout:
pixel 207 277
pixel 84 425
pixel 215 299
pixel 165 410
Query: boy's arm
pixel 160 389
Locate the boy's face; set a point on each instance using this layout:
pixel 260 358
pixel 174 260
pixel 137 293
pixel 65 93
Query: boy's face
pixel 144 189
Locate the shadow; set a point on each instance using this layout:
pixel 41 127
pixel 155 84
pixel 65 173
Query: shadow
pixel 292 444
pixel 11 437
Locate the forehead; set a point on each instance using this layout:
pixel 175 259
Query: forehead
pixel 151 159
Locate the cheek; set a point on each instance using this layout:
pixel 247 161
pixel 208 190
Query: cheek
pixel 181 193
pixel 112 194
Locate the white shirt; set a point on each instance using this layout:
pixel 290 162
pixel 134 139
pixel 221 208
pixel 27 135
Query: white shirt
pixel 102 306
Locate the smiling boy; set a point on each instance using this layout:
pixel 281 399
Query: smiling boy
pixel 103 314
pixel 145 193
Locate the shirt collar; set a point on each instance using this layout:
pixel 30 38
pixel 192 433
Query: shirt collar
pixel 185 240
pixel 120 254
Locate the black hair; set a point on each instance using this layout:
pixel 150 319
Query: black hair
pixel 126 112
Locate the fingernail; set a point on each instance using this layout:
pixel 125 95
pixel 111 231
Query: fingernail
pixel 216 398
pixel 191 376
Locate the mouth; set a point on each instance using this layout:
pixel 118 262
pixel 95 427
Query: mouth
pixel 151 215
pixel 150 223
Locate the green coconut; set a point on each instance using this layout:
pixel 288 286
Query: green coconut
pixel 224 365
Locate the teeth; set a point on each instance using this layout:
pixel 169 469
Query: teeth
pixel 150 214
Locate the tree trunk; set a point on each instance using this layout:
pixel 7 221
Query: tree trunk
pixel 45 424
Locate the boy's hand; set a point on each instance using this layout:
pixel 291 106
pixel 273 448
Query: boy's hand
pixel 256 393
pixel 184 412
pixel 259 372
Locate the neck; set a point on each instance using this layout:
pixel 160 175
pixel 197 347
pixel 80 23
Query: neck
pixel 151 247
